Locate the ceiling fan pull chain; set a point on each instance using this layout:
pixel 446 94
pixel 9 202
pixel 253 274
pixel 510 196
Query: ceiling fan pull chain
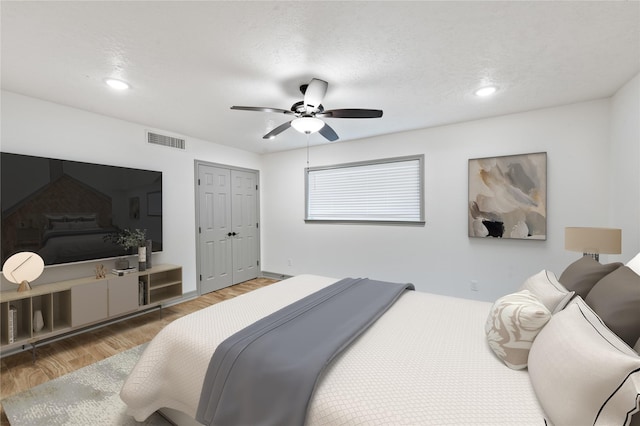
pixel 308 150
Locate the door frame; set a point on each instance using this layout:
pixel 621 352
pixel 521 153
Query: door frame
pixel 197 163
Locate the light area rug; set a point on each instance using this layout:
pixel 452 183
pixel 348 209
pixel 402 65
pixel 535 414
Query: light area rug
pixel 88 396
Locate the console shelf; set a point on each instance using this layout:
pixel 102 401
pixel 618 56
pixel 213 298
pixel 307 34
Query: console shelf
pixel 68 306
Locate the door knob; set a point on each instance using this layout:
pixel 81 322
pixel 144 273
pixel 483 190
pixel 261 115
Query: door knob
pixel 230 234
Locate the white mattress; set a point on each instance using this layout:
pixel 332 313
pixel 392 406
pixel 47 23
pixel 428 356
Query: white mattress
pixel 424 362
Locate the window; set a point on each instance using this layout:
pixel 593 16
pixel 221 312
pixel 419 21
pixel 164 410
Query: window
pixel 388 190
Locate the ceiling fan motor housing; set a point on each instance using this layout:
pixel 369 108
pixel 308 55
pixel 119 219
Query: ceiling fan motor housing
pixel 299 108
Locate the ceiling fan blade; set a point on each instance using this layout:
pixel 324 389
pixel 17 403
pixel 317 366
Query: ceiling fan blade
pixel 351 113
pixel 262 109
pixel 328 133
pixel 313 96
pixel 275 132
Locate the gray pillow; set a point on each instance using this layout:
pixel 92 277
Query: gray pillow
pixel 584 273
pixel 616 300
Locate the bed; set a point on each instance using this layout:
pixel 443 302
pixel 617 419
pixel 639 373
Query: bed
pixel 426 361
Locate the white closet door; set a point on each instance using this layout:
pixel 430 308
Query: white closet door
pixel 228 226
pixel 216 261
pixel 245 225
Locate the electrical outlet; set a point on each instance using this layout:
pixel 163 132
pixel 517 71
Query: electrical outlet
pixel 474 285
pixel 289 262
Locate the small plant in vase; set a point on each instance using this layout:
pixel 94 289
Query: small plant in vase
pixel 128 239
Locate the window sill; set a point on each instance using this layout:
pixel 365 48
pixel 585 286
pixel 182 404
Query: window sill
pixel 367 222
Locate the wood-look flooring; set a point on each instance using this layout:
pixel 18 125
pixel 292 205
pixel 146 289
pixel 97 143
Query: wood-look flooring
pixel 18 372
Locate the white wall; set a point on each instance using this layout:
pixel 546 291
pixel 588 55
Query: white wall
pixel 440 257
pixel 35 127
pixel 625 166
pixel 582 168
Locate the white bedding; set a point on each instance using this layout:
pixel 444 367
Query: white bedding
pixel 426 362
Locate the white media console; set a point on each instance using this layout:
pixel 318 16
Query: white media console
pixel 69 306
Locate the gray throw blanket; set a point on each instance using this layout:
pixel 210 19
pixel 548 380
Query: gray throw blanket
pixel 266 373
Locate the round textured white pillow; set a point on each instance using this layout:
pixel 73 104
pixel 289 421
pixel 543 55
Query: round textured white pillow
pixel 513 324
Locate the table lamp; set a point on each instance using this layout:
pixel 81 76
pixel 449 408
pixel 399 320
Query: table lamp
pixel 23 268
pixel 593 241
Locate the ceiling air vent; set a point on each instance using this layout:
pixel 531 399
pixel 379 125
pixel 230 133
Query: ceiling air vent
pixel 164 140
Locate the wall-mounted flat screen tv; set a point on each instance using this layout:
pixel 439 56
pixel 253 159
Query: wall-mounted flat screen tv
pixel 63 210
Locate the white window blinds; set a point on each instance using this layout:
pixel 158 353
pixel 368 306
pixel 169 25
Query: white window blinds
pixel 380 191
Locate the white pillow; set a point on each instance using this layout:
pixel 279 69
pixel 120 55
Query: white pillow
pixel 582 373
pixel 514 321
pixel 546 287
pixel 634 264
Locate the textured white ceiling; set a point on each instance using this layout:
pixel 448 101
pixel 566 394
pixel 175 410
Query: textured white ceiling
pixel 420 62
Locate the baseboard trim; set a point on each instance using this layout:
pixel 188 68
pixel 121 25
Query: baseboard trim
pixel 185 297
pixel 194 293
pixel 275 275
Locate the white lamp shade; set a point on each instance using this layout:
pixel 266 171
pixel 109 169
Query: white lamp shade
pixel 593 240
pixel 307 124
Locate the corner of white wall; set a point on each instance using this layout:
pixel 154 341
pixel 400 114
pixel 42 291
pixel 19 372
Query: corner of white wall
pixel 624 180
pixel 36 127
pixel 439 257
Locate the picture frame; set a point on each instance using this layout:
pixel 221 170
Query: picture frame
pixel 507 197
pixel 154 203
pixel 134 208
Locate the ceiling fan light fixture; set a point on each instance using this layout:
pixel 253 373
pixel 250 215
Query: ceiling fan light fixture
pixel 307 124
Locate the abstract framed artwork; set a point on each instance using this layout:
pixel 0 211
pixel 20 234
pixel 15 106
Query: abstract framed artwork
pixel 508 197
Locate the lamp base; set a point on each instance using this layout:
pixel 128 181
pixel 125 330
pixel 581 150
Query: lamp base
pixel 24 286
pixel 596 256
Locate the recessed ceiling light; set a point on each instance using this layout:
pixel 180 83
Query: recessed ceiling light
pixel 117 84
pixel 486 91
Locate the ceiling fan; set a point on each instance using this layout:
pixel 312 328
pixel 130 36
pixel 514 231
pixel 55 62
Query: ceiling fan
pixel 309 111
